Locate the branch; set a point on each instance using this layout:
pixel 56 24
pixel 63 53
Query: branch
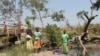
pixel 91 2
pixel 84 48
pixel 93 17
pixel 86 16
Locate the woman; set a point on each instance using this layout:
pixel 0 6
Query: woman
pixel 37 42
pixel 65 41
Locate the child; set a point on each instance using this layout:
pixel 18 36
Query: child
pixel 37 42
pixel 29 43
pixel 56 50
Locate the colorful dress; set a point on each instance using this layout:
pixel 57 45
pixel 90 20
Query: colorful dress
pixel 37 42
pixel 29 43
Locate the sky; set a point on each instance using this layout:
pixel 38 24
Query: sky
pixel 70 7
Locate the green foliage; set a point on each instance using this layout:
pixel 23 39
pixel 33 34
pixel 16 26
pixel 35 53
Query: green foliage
pixel 80 14
pixel 7 9
pixel 58 16
pixel 53 34
pixel 96 5
pixel 71 35
pixel 36 6
pixel 27 21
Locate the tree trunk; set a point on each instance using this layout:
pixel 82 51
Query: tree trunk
pixel 41 19
pixel 85 30
pixel 86 26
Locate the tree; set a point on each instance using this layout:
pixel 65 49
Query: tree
pixel 59 16
pixel 84 15
pixel 88 19
pixel 7 9
pixel 37 8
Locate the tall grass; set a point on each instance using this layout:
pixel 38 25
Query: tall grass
pixel 19 50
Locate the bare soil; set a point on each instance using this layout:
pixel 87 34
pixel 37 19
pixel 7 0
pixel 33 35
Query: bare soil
pixel 46 53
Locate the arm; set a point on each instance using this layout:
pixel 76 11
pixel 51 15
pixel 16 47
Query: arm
pixel 34 36
pixel 40 35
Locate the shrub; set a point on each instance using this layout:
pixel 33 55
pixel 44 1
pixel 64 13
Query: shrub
pixel 53 34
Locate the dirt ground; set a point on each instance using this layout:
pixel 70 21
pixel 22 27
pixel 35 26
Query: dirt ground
pixel 46 53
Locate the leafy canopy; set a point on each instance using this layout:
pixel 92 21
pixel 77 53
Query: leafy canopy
pixel 96 5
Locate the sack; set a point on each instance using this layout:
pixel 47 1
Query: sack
pixel 17 42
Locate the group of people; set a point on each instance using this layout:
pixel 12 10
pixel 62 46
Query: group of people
pixel 34 41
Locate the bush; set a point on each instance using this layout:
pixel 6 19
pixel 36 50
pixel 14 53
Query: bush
pixel 72 34
pixel 53 34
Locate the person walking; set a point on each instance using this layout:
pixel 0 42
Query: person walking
pixel 65 42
